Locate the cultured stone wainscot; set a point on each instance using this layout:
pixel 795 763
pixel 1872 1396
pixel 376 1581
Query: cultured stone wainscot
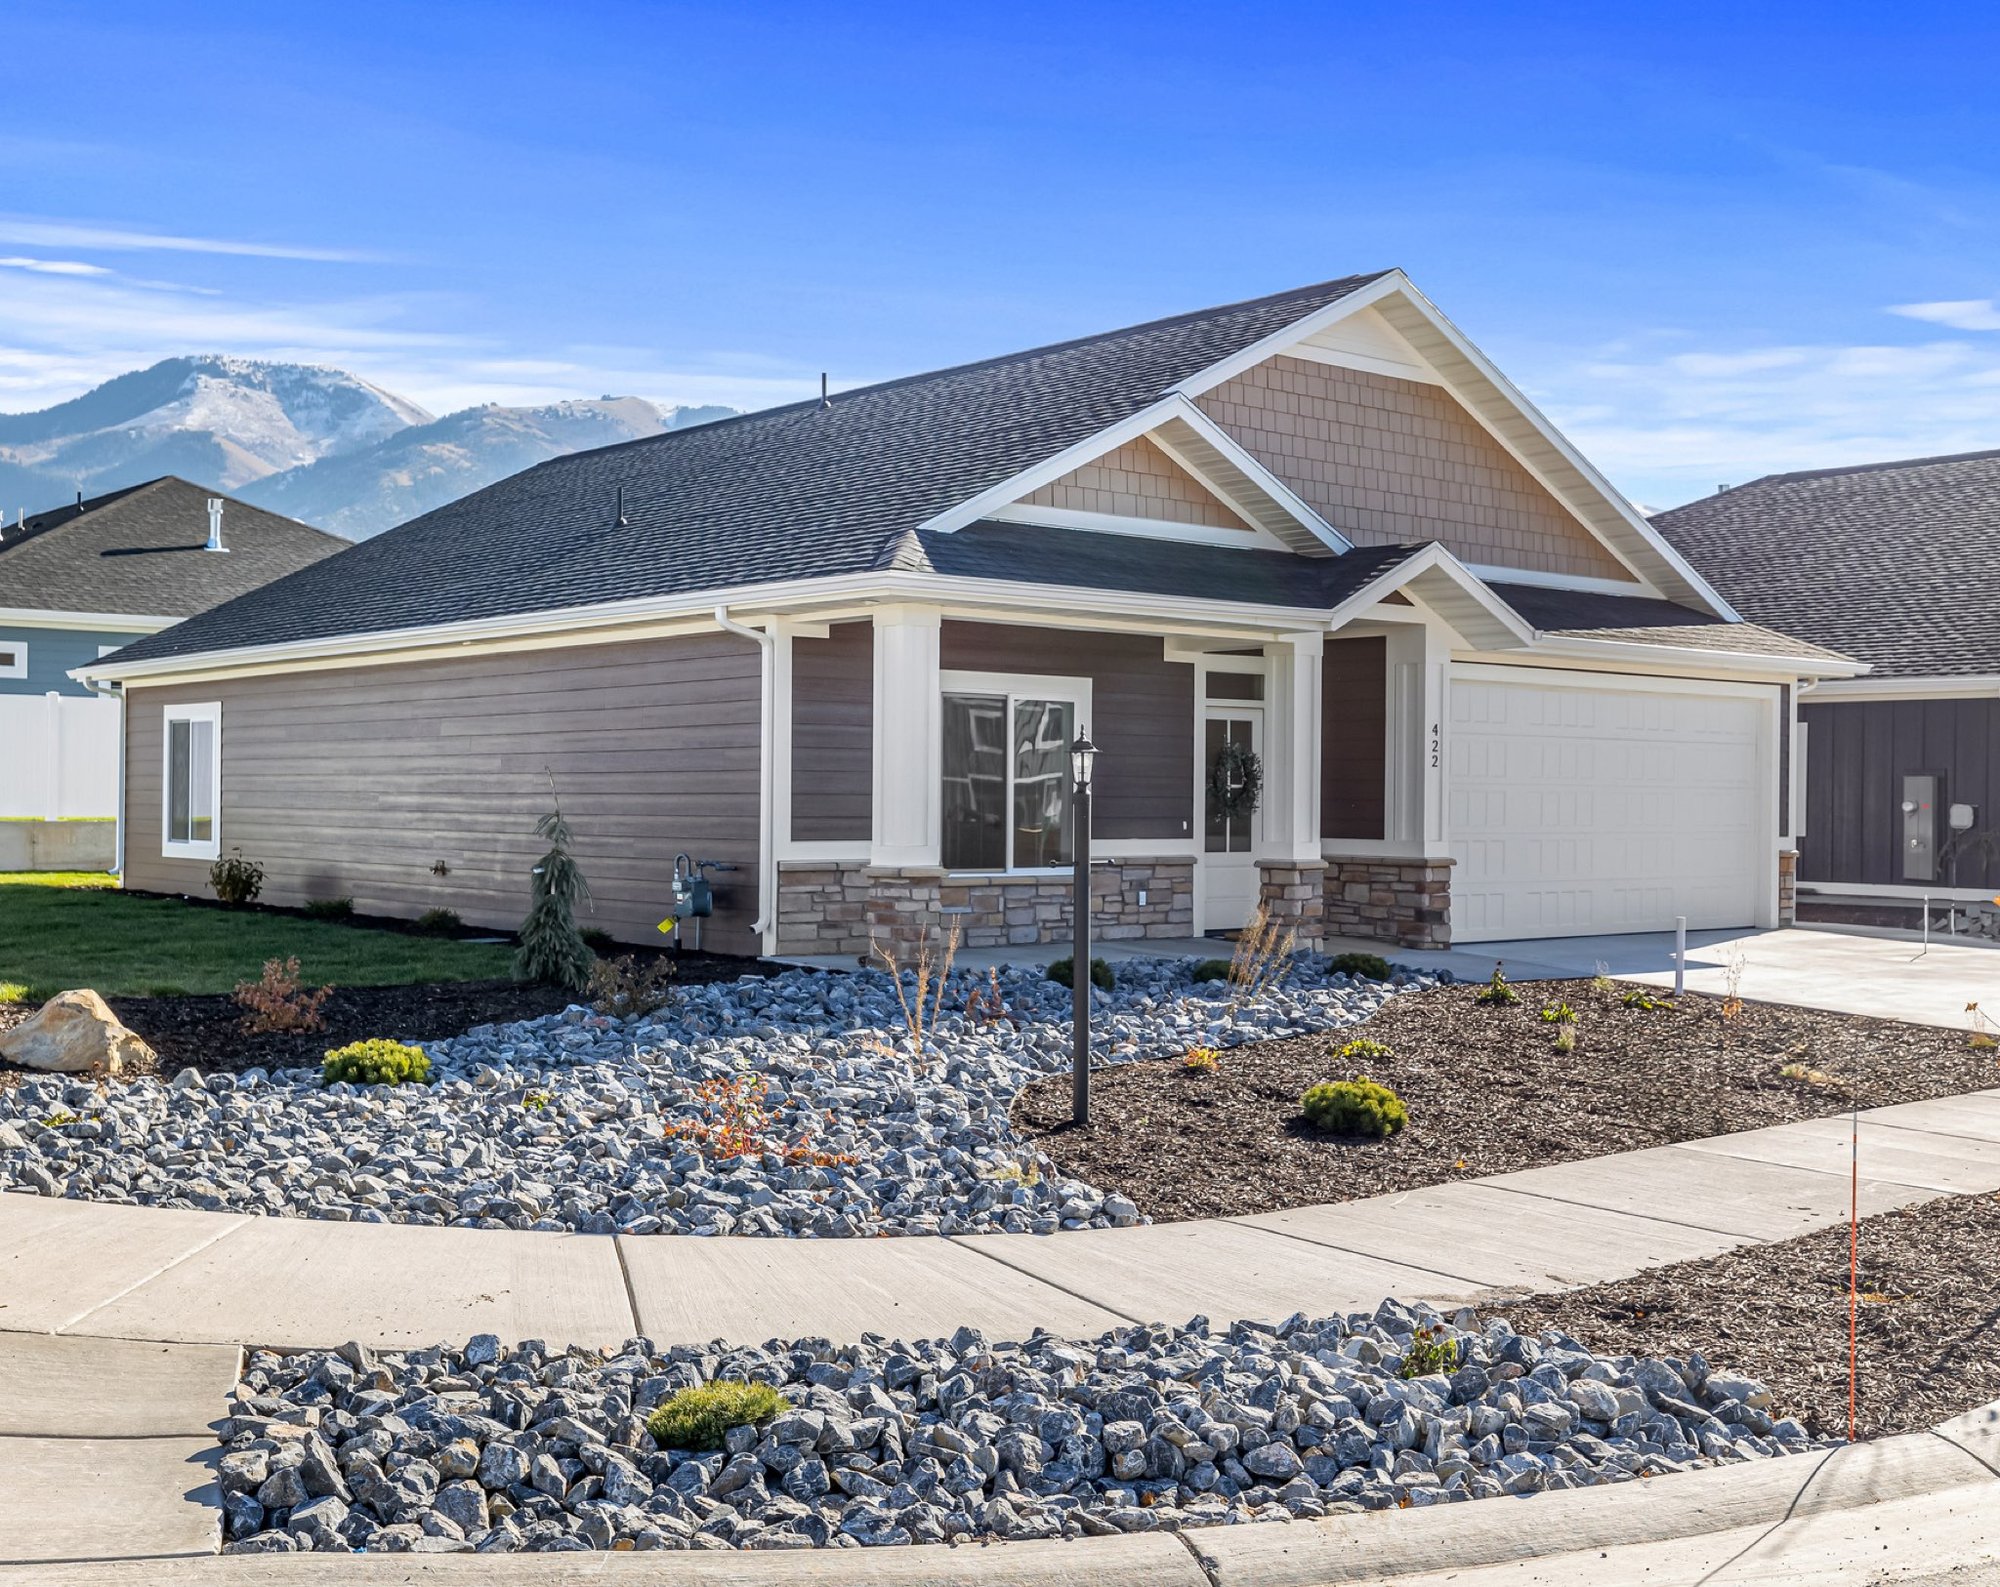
pixel 848 907
pixel 1788 887
pixel 1294 896
pixel 1404 901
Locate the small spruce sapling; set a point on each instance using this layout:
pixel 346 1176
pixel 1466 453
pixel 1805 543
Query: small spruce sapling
pixel 552 949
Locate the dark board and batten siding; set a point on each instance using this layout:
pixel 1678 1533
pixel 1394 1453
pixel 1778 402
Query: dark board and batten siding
pixel 833 736
pixel 1142 707
pixel 1856 755
pixel 357 782
pixel 1354 715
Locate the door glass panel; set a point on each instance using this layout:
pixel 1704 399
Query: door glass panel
pixel 1043 730
pixel 1236 686
pixel 1224 834
pixel 974 834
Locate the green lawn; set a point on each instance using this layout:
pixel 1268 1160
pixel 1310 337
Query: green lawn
pixel 67 929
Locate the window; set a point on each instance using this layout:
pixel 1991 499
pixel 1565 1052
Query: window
pixel 191 783
pixel 1006 804
pixel 13 658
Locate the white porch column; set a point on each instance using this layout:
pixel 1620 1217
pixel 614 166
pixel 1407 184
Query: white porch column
pixel 1419 671
pixel 1292 749
pixel 908 737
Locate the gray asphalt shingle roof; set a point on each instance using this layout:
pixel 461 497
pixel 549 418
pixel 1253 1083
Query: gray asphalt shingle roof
pixel 138 552
pixel 1643 620
pixel 795 492
pixel 1894 563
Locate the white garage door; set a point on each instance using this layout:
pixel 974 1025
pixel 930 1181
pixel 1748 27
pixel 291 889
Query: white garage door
pixel 1603 809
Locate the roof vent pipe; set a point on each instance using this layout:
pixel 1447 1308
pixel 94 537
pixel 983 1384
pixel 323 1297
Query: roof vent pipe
pixel 622 519
pixel 824 400
pixel 215 525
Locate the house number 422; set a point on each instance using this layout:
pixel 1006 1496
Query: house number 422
pixel 1437 746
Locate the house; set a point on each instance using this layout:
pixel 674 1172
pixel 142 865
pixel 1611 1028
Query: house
pixel 80 580
pixel 76 583
pixel 840 647
pixel 1897 564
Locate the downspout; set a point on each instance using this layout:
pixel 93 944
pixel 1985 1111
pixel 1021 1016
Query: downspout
pixel 767 848
pixel 116 691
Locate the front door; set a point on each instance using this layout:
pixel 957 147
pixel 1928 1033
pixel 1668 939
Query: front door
pixel 1228 859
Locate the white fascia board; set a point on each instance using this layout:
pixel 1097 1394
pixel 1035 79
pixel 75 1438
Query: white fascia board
pixel 34 617
pixel 1493 573
pixel 1170 407
pixel 1433 558
pixel 1249 538
pixel 1969 686
pixel 1670 655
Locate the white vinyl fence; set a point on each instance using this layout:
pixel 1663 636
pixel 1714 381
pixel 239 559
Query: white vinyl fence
pixel 58 756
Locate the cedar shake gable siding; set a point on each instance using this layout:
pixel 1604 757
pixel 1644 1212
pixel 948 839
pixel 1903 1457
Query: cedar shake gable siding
pixel 355 782
pixel 1138 480
pixel 1143 716
pixel 1389 461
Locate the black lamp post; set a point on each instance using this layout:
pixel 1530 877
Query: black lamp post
pixel 1081 754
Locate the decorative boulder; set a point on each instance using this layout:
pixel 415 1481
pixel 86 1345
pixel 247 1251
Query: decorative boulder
pixel 73 1032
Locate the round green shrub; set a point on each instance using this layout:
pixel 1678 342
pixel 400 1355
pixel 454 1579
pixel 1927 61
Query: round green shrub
pixel 696 1419
pixel 1211 970
pixel 376 1062
pixel 1354 1107
pixel 329 908
pixel 1063 972
pixel 1369 966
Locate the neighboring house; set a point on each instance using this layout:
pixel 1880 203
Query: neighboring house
pixel 79 581
pixel 842 646
pixel 1897 564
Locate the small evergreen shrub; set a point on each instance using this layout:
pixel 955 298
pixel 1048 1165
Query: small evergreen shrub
pixel 1063 973
pixel 235 879
pixel 1210 970
pixel 696 1419
pixel 552 949
pixel 1369 966
pixel 376 1062
pixel 329 908
pixel 1354 1107
pixel 439 922
pixel 1367 1047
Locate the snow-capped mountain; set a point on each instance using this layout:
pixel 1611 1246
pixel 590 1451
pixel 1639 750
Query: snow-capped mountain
pixel 427 465
pixel 315 443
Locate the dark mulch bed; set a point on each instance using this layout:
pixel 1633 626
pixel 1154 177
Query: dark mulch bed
pixel 1929 1318
pixel 208 1033
pixel 1487 1091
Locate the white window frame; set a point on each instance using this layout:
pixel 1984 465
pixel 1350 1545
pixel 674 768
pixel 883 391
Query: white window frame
pixel 18 667
pixel 209 711
pixel 1014 686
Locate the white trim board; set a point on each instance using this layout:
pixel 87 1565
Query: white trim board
pixel 1248 538
pixel 116 622
pixel 1971 686
pixel 209 711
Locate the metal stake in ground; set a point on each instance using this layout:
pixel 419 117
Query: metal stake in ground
pixel 1082 754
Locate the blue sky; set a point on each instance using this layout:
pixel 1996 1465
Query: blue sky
pixel 1710 241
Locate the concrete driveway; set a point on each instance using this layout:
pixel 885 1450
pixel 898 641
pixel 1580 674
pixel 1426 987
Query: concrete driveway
pixel 1889 978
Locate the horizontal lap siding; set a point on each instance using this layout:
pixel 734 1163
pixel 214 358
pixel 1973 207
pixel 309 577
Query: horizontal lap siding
pixel 1856 755
pixel 356 782
pixel 1142 715
pixel 1354 705
pixel 833 736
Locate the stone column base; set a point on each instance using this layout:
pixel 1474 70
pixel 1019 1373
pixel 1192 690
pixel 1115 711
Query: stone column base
pixel 1385 899
pixel 1293 893
pixel 1788 887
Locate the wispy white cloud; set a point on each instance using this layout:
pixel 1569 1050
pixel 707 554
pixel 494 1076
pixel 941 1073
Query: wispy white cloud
pixel 1678 423
pixel 36 233
pixel 54 267
pixel 1962 314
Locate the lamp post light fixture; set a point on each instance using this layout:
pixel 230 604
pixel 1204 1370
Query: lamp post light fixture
pixel 1082 754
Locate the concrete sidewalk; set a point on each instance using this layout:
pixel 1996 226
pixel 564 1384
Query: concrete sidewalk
pixel 90 1269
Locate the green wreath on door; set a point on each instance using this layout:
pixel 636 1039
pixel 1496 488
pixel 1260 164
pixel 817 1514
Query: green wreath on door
pixel 1235 780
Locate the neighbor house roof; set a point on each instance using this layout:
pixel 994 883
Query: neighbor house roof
pixel 139 552
pixel 1642 620
pixel 796 492
pixel 1894 563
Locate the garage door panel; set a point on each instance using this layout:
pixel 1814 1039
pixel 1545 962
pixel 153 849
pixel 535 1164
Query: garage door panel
pixel 1602 809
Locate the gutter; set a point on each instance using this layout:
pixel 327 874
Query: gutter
pixel 767 805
